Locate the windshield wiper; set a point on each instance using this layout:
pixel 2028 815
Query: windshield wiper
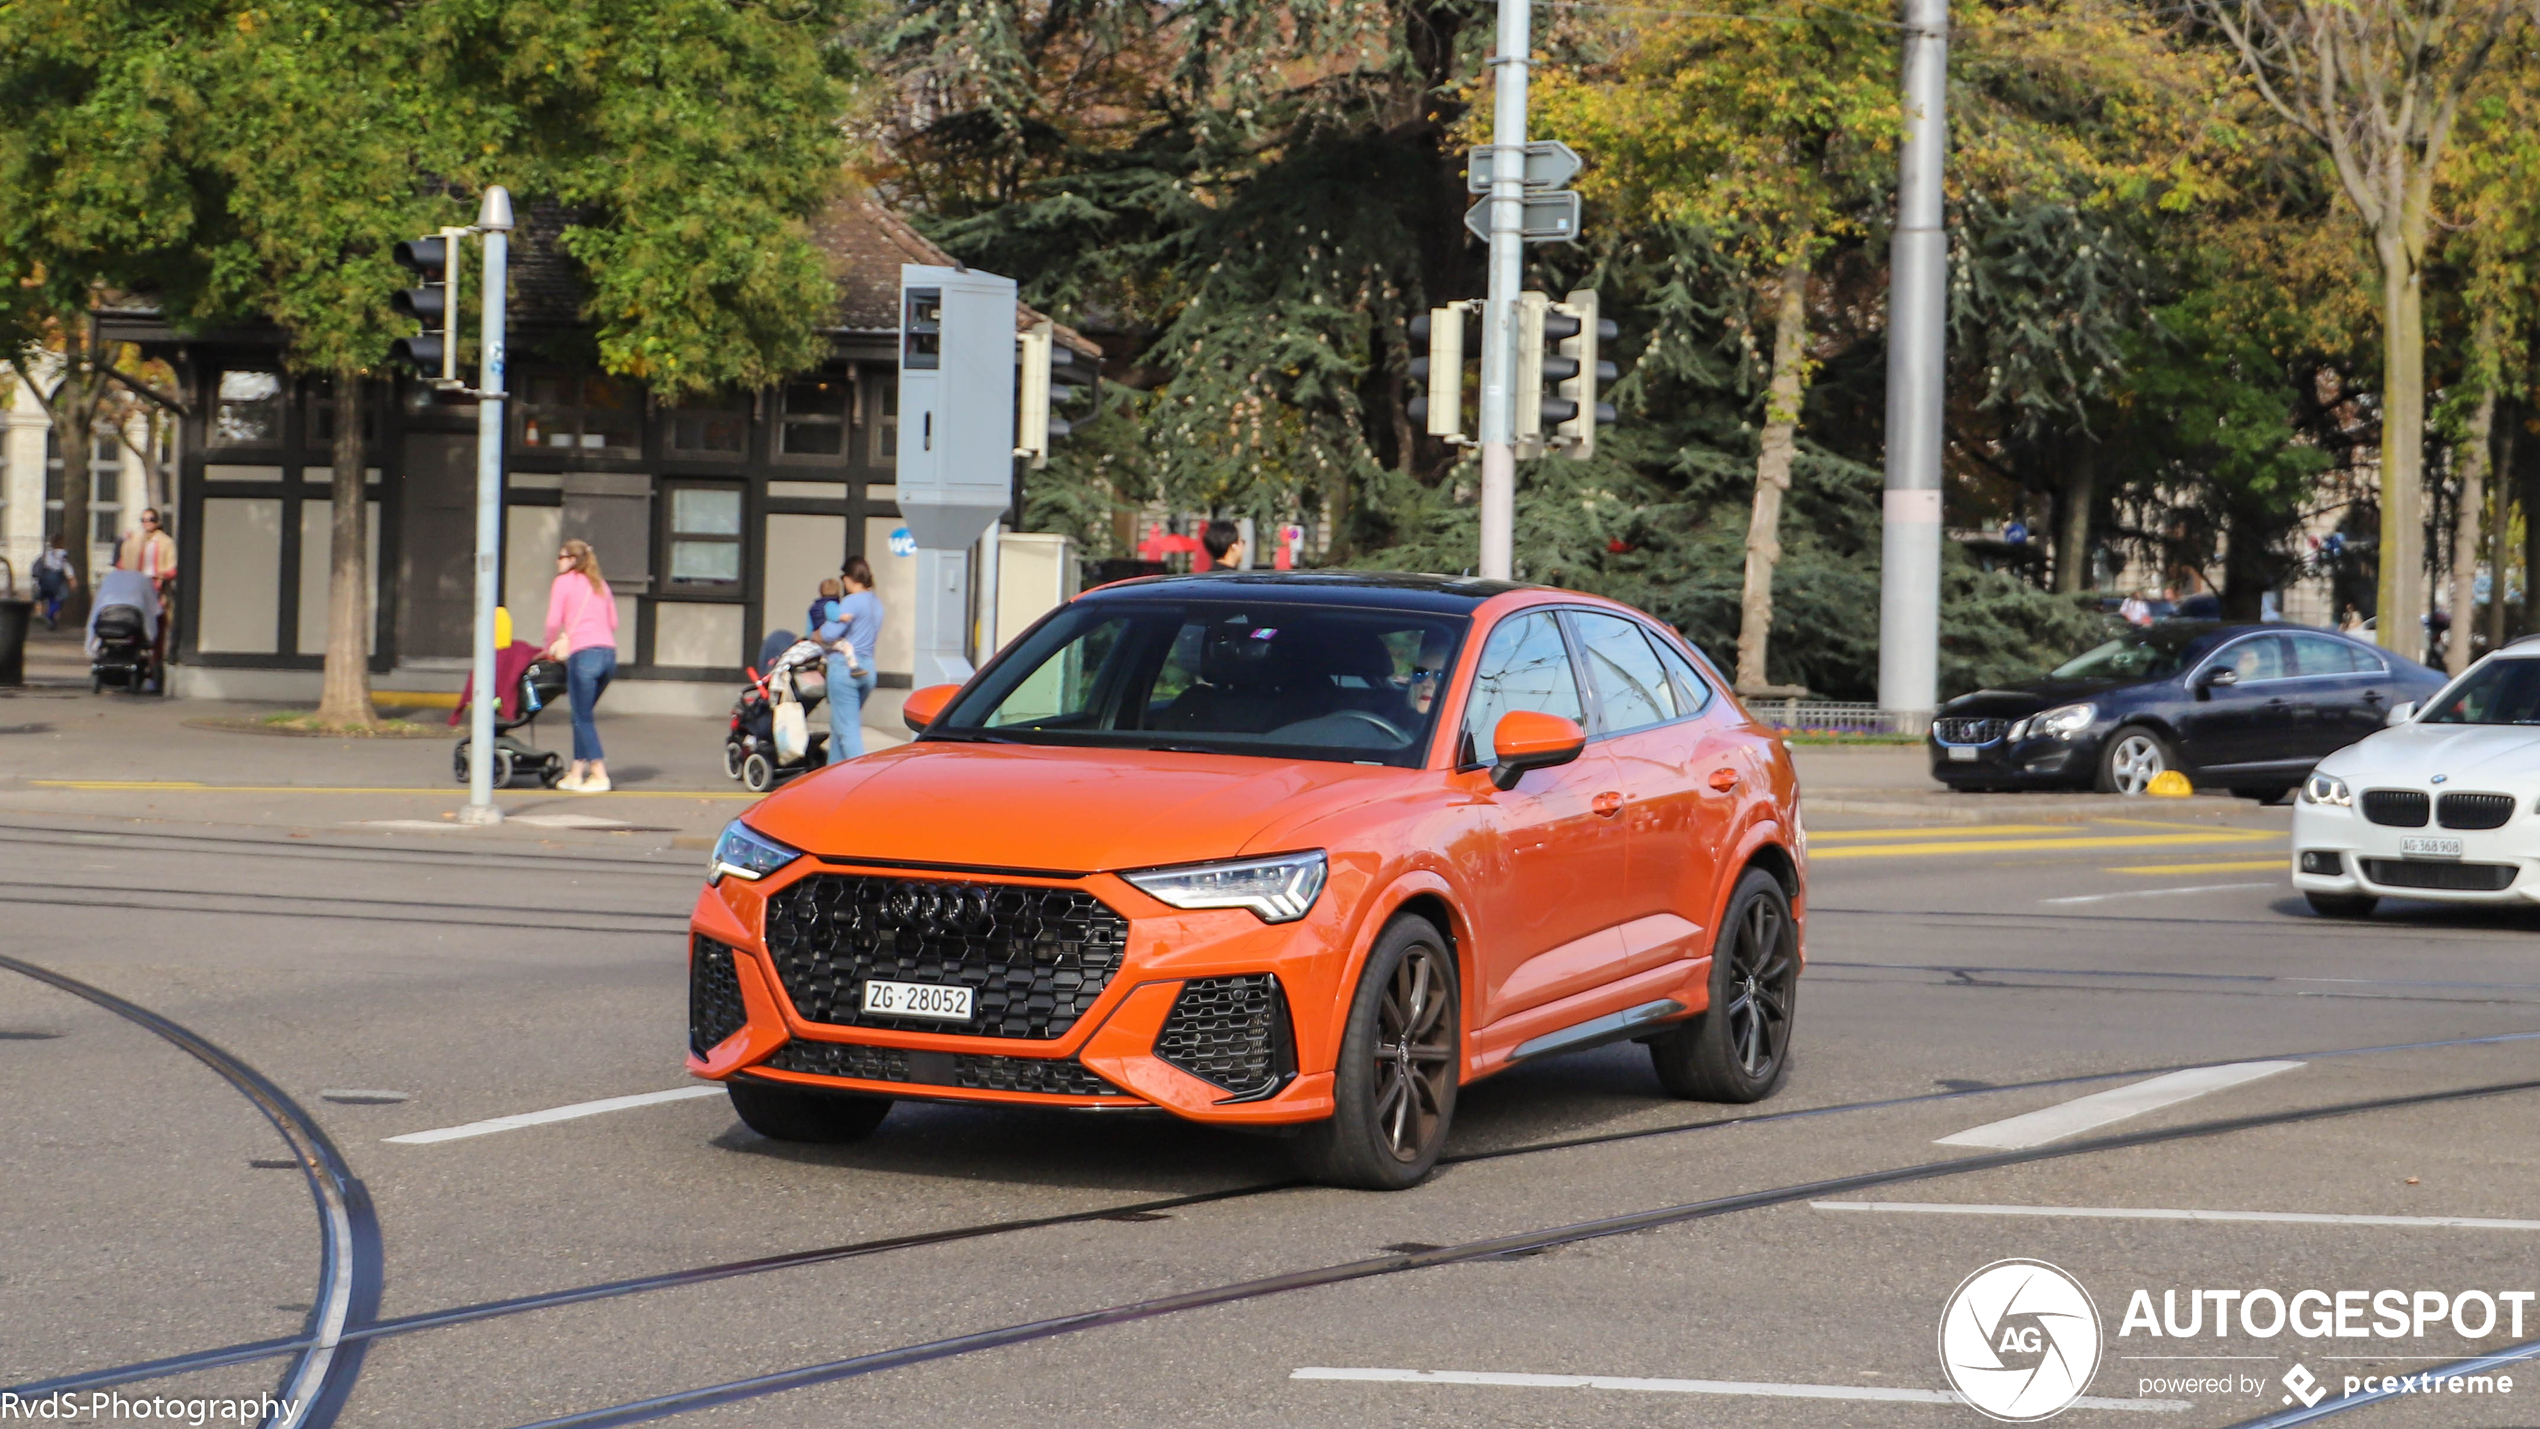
pixel 970 736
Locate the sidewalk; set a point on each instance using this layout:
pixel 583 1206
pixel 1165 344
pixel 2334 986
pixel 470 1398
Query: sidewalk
pixel 64 750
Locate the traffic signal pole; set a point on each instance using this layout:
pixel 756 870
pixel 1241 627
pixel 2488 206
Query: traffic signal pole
pixel 1917 373
pixel 1498 418
pixel 494 220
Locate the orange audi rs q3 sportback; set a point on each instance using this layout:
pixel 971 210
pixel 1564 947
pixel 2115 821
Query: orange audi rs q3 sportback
pixel 1305 851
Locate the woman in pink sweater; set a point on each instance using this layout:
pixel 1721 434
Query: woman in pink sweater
pixel 582 632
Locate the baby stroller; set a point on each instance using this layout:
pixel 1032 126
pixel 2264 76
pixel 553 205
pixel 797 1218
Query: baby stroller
pixel 788 673
pixel 123 632
pixel 530 685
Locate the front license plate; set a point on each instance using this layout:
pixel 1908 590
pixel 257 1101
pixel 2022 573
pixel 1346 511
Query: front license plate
pixel 917 999
pixel 2430 848
pixel 1963 753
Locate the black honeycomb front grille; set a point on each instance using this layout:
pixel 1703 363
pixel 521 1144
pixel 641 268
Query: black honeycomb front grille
pixel 1060 1076
pixel 1231 1031
pixel 1962 730
pixel 2399 808
pixel 2449 877
pixel 2474 811
pixel 1038 958
pixel 715 1010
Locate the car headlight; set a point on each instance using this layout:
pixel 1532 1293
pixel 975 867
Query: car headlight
pixel 2063 721
pixel 744 852
pixel 2327 789
pixel 1280 889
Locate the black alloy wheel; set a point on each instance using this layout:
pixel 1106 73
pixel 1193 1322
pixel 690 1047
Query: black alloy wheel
pixel 805 1114
pixel 1738 1049
pixel 1401 1059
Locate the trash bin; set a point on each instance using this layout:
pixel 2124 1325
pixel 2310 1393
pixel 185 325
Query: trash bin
pixel 15 614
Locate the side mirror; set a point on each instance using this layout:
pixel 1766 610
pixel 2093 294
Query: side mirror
pixel 1528 739
pixel 2216 677
pixel 922 706
pixel 2401 713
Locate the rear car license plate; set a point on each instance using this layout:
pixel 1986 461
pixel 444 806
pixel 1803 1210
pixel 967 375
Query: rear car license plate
pixel 916 999
pixel 2429 848
pixel 1963 752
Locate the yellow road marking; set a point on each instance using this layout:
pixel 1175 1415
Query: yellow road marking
pixel 2245 866
pixel 182 786
pixel 2043 845
pixel 1984 831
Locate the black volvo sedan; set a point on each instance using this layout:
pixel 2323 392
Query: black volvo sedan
pixel 2249 708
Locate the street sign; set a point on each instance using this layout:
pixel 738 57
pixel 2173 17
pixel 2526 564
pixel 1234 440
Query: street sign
pixel 1549 218
pixel 1549 164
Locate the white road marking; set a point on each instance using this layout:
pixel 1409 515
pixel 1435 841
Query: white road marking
pixel 2161 892
pixel 556 1113
pixel 1869 1392
pixel 2160 1213
pixel 2100 1108
pixel 570 821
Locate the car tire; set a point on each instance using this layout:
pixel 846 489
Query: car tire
pixel 802 1114
pixel 2342 905
pixel 1737 1050
pixel 2131 759
pixel 1402 1055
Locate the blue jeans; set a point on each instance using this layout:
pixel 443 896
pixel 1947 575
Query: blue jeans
pixel 846 710
pixel 587 673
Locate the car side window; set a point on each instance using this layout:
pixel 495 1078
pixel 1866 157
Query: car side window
pixel 1693 693
pixel 1525 666
pixel 2258 658
pixel 1632 690
pixel 2328 655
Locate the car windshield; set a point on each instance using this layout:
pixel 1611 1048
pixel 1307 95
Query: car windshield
pixel 1279 679
pixel 2498 692
pixel 2136 655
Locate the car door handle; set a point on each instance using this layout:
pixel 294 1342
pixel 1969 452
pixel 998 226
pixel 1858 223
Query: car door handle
pixel 1724 779
pixel 2372 697
pixel 1608 804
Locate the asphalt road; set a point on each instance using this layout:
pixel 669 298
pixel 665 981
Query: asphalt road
pixel 381 982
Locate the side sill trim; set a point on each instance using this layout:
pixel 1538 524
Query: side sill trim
pixel 1612 1027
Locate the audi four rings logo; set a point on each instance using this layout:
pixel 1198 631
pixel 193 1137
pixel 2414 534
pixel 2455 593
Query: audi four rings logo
pixel 2020 1340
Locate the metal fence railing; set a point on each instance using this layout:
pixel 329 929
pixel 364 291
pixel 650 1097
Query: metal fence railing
pixel 1799 716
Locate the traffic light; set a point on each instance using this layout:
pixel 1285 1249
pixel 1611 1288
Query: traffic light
pixel 434 352
pixel 1567 418
pixel 1451 340
pixel 1046 373
pixel 1585 373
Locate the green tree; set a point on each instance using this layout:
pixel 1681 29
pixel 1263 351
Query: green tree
pixel 92 203
pixel 2377 87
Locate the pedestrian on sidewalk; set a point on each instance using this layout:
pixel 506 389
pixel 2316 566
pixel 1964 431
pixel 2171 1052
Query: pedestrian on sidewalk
pixel 582 632
pixel 54 580
pixel 149 549
pixel 854 625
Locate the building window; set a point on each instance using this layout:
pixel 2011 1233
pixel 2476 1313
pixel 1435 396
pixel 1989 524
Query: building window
pixel 105 485
pixel 705 539
pixel 815 418
pixel 885 423
pixel 593 416
pixel 711 427
pixel 248 410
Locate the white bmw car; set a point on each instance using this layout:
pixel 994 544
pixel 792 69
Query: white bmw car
pixel 2444 804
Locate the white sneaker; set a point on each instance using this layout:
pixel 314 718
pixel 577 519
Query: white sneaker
pixel 572 783
pixel 593 784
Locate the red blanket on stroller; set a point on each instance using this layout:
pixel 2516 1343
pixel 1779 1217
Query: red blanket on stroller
pixel 509 664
